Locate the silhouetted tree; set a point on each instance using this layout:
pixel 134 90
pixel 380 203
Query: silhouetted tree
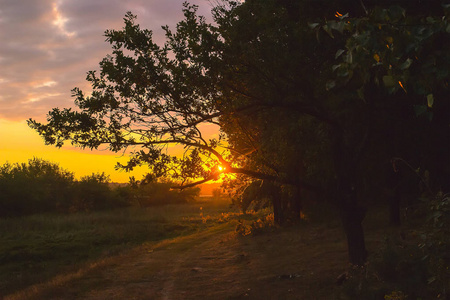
pixel 292 111
pixel 34 187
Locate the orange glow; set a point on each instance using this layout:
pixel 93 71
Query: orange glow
pixel 401 85
pixel 376 57
pixel 19 143
pixel 338 14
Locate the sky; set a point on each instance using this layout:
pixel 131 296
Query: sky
pixel 46 49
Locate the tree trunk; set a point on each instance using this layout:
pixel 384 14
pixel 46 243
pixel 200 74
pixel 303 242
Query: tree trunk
pixel 394 207
pixel 278 215
pixel 296 204
pixel 393 184
pixel 352 216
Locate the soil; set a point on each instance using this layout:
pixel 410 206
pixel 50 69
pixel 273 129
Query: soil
pixel 300 262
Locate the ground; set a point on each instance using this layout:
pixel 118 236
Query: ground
pixel 299 262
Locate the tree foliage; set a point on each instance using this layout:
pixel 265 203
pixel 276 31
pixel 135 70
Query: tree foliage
pixel 327 116
pixel 33 187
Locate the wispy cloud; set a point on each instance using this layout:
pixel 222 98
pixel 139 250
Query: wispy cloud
pixel 48 46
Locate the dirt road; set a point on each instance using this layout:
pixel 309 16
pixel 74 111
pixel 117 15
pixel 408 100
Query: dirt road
pixel 298 263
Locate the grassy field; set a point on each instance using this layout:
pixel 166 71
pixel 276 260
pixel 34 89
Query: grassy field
pixel 202 250
pixel 36 248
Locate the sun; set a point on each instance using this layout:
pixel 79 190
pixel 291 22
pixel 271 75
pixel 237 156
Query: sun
pixel 221 168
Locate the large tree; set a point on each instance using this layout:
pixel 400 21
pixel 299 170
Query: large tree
pixel 259 74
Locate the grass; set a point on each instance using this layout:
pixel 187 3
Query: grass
pixel 36 248
pixel 148 253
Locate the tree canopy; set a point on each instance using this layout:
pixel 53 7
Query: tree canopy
pixel 301 102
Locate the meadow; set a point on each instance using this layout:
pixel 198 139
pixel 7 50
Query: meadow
pixel 35 248
pixel 207 249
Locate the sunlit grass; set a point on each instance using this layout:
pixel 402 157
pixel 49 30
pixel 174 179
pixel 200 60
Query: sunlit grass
pixel 35 248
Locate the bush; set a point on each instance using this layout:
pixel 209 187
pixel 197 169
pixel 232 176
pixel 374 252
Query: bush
pixel 33 187
pixel 93 193
pixel 258 226
pixel 40 186
pixel 160 193
pixel 414 265
pixel 436 245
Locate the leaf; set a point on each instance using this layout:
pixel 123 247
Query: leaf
pixel 361 93
pixel 430 100
pixel 342 72
pixel 389 81
pixel 396 13
pixel 339 53
pixel 376 57
pixel 420 110
pixel 338 26
pixel 430 20
pixel 401 85
pixel 313 25
pixel 405 65
pixel 330 84
pixel 349 57
pixel 334 67
pixel 328 30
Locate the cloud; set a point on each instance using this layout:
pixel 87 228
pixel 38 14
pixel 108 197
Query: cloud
pixel 48 46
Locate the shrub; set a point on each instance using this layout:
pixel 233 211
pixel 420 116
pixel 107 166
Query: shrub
pixel 412 266
pixel 435 245
pixel 160 193
pixel 93 193
pixel 33 187
pixel 40 186
pixel 258 226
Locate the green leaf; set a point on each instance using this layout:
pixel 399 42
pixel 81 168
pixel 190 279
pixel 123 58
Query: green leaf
pixel 389 81
pixel 342 72
pixel 313 25
pixel 328 30
pixel 406 64
pixel 330 84
pixel 349 57
pixel 430 100
pixel 420 110
pixel 360 93
pixel 338 26
pixel 339 53
pixel 335 67
pixel 396 13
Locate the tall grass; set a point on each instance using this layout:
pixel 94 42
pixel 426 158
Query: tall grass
pixel 35 248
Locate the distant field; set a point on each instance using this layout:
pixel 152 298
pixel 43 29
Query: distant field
pixel 36 248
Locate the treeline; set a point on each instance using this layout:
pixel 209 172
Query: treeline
pixel 40 186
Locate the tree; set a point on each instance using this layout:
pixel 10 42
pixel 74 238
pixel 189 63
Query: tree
pixel 92 192
pixel 260 76
pixel 34 187
pixel 397 65
pixel 148 96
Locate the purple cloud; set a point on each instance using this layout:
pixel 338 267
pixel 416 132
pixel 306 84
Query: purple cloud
pixel 48 46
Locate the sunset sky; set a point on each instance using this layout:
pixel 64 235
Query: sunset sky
pixel 46 48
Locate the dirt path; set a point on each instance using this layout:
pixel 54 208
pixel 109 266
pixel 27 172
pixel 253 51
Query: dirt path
pixel 298 263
